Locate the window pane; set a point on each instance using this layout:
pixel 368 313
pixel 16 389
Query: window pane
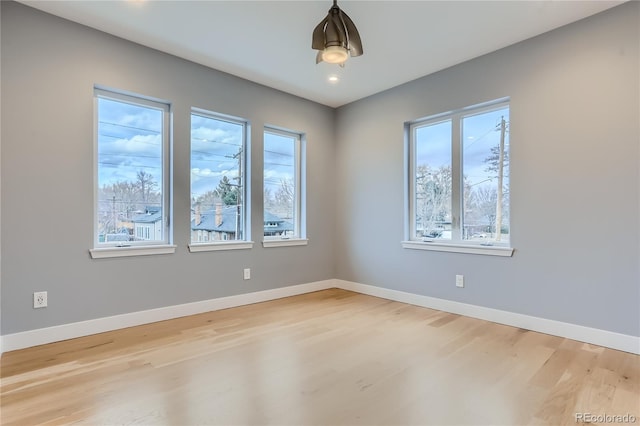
pixel 485 162
pixel 280 188
pixel 217 179
pixel 130 172
pixel 433 181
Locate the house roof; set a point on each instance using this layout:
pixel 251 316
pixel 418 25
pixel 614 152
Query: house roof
pixel 270 217
pixel 282 225
pixel 151 215
pixel 208 220
pixel 229 214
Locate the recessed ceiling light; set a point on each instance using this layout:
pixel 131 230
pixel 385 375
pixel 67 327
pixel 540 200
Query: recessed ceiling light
pixel 333 79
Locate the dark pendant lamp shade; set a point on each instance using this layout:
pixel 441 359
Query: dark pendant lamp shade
pixel 336 37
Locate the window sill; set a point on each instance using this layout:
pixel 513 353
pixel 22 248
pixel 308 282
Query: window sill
pixel 459 248
pixel 285 243
pixel 227 245
pixel 105 252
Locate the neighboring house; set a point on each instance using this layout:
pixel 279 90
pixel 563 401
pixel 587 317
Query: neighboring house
pixel 274 226
pixel 147 226
pixel 221 223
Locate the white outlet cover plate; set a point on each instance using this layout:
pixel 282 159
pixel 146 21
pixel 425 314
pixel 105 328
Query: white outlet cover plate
pixel 40 299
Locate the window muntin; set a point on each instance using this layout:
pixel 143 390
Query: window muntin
pixel 218 183
pixel 132 173
pixel 282 186
pixel 459 176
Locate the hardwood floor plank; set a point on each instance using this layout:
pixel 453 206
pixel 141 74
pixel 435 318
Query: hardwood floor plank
pixel 327 358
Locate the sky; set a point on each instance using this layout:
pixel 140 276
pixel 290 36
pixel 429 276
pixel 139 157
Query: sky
pixel 480 132
pixel 130 140
pixel 215 148
pixel 279 160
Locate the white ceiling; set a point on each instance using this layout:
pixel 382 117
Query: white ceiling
pixel 269 42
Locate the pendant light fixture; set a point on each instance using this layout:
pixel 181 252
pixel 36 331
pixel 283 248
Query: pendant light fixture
pixel 336 38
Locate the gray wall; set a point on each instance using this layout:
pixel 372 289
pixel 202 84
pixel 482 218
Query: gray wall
pixel 49 68
pixel 574 178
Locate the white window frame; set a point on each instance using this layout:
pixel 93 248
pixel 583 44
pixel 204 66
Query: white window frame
pixel 135 248
pixel 299 204
pixel 456 244
pixel 245 161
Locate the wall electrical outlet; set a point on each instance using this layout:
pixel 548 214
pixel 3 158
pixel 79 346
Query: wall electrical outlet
pixel 459 280
pixel 247 273
pixel 40 299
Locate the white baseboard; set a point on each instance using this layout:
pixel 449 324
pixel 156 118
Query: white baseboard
pixel 580 333
pixel 57 333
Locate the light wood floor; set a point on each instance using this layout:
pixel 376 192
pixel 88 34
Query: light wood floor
pixel 327 358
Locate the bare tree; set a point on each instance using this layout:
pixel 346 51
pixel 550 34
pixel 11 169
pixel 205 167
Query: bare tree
pixel 483 206
pixel 207 200
pixel 284 197
pixel 125 193
pixel 116 202
pixel 433 199
pixel 268 198
pixel 145 185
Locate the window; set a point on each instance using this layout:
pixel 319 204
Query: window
pixel 458 178
pixel 283 186
pixel 218 180
pixel 132 171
